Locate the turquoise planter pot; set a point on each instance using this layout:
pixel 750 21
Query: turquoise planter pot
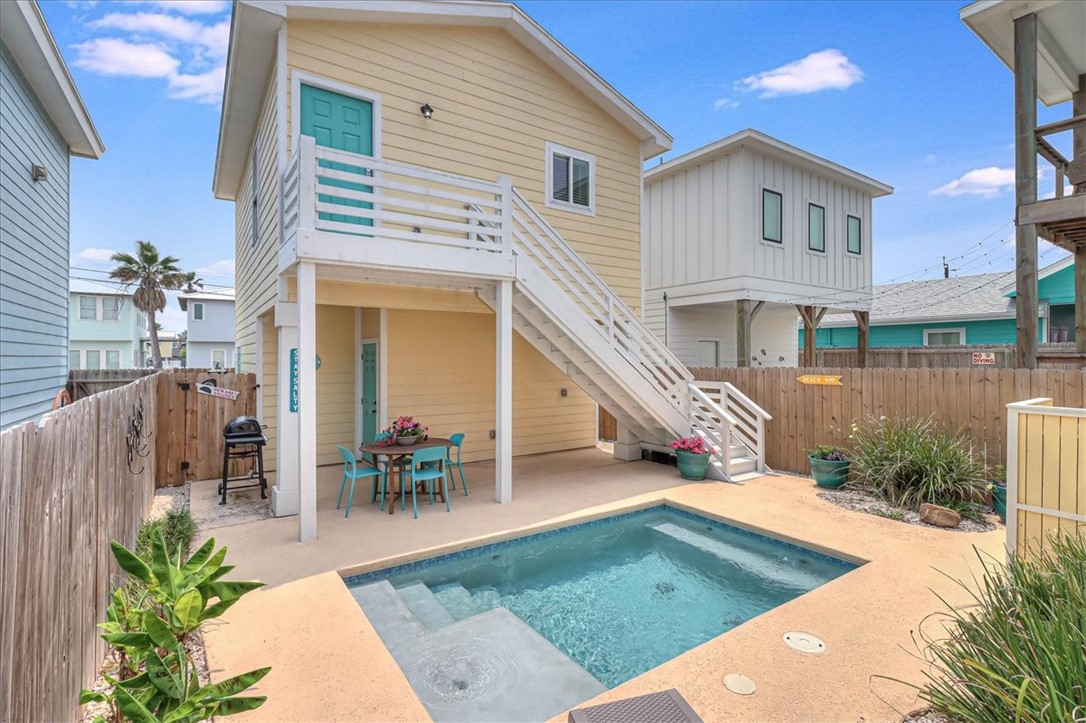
pixel 692 466
pixel 829 473
pixel 999 501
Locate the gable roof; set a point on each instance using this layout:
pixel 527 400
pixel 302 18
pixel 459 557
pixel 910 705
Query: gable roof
pixel 215 295
pixel 1053 268
pixel 27 37
pixel 767 144
pixel 1061 36
pixel 254 30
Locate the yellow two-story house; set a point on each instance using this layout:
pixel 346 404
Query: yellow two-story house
pixel 438 213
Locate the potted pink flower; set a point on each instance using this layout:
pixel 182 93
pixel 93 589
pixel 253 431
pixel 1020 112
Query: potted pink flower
pixel 406 431
pixel 692 456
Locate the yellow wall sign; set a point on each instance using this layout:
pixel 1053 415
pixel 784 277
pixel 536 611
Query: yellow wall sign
pixel 825 381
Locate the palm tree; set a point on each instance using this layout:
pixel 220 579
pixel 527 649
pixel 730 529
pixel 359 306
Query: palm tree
pixel 152 275
pixel 193 283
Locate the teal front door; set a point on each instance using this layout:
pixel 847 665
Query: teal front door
pixel 369 392
pixel 346 124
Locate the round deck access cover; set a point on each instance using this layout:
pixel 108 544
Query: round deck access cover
pixel 804 642
pixel 739 684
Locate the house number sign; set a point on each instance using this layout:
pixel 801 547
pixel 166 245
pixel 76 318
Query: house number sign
pixel 294 378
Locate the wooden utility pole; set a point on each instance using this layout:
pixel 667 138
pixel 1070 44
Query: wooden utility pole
pixel 812 317
pixel 745 311
pixel 1025 169
pixel 1078 155
pixel 863 336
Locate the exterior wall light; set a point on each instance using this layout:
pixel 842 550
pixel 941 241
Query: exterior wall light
pixel 427 111
pixel 39 173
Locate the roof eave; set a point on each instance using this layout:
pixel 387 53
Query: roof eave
pixel 28 38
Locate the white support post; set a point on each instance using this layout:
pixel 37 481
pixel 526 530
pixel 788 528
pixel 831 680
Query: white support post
pixel 1012 479
pixel 307 182
pixel 285 492
pixel 627 445
pixel 307 401
pixel 503 416
pixel 506 183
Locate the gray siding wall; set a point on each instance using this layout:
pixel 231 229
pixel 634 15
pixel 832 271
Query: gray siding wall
pixel 33 253
pixel 217 324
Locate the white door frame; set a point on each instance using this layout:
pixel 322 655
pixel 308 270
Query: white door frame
pixel 382 381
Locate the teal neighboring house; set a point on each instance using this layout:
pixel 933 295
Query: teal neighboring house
pixel 967 310
pixel 106 330
pixel 43 122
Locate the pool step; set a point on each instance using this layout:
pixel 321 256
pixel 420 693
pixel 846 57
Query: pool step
pixel 457 601
pixel 752 562
pixel 421 601
pixel 388 613
pixel 487 598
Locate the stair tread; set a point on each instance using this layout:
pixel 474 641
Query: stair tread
pixel 421 601
pixel 457 600
pixel 388 613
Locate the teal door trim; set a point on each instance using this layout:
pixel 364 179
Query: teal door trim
pixel 370 383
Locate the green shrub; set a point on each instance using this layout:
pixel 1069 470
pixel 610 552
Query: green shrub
pixel 1019 654
pixel 156 679
pixel 911 461
pixel 176 527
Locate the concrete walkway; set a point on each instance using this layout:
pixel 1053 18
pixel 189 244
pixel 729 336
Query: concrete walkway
pixel 329 664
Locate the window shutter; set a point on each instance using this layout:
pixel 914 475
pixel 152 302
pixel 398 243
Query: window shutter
pixel 560 177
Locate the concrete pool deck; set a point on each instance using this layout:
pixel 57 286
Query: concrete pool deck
pixel 329 664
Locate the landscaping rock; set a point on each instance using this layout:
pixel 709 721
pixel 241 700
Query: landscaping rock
pixel 939 516
pixel 860 501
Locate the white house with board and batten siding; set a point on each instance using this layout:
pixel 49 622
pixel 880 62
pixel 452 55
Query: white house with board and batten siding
pixel 742 234
pixel 210 323
pixel 43 123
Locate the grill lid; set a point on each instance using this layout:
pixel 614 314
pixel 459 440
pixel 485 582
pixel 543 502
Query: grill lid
pixel 243 426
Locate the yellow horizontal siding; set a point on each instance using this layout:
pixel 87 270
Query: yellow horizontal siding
pixel 269 388
pixel 496 105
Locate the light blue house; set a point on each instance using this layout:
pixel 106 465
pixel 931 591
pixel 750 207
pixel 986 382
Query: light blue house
pixel 967 310
pixel 43 123
pixel 106 330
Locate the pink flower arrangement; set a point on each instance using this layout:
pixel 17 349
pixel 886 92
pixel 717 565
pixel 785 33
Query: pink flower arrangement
pixel 693 445
pixel 404 427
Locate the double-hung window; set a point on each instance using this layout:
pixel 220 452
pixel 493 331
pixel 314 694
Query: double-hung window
pixel 571 180
pixel 772 216
pixel 88 307
pixel 944 337
pixel 111 308
pixel 855 234
pixel 816 227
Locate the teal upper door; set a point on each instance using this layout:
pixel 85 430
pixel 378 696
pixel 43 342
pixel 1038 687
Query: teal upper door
pixel 346 124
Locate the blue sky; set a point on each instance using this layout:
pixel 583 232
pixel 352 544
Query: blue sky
pixel 902 92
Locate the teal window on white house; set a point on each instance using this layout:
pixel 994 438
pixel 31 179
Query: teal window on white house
pixel 944 337
pixel 88 307
pixel 772 218
pixel 816 227
pixel 571 180
pixel 855 233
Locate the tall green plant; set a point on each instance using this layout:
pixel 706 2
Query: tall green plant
pixel 1019 653
pixel 149 622
pixel 911 461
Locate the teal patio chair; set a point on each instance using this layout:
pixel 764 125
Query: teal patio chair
pixel 354 470
pixel 423 469
pixel 458 442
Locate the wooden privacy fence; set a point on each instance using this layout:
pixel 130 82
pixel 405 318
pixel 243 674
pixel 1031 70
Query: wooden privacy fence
pixel 1050 356
pixel 805 416
pixel 68 487
pixel 1046 473
pixel 83 383
pixel 190 443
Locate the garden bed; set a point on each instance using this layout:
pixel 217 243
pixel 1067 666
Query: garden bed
pixel 861 501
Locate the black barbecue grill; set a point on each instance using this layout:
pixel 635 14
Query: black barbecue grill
pixel 244 439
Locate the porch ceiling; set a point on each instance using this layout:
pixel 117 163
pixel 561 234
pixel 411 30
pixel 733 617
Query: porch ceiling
pixel 335 272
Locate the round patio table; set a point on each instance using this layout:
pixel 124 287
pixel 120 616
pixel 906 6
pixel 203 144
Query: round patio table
pixel 396 454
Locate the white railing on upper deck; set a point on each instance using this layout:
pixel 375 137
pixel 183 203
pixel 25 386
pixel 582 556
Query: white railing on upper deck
pixel 615 321
pixel 329 190
pixel 746 418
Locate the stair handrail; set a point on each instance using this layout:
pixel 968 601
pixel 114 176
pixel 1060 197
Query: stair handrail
pixel 749 417
pixel 618 319
pixel 722 430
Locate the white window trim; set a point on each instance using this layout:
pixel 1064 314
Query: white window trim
pixel 203 316
pixel 959 329
pixel 211 359
pixel 79 308
pixel 719 347
pixel 549 200
pixel 298 77
pixel 99 308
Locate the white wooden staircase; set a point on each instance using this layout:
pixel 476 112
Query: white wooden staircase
pixel 406 219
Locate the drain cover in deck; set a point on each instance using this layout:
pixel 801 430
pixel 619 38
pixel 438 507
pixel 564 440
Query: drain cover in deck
pixel 739 684
pixel 804 643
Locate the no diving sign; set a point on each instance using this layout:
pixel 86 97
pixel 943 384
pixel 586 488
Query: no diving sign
pixel 984 357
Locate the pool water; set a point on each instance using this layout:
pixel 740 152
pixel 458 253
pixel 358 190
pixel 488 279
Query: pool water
pixel 622 595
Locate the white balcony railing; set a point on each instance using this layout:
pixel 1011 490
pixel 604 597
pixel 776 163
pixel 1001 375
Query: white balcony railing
pixel 329 190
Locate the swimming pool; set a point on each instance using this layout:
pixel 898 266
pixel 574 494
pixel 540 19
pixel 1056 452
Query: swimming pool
pixel 616 597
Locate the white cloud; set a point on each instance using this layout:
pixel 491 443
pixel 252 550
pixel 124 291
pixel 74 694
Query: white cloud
pixel 212 38
pixel 930 158
pixel 201 87
pixel 728 103
pixel 824 70
pixel 192 7
pixel 222 268
pixel 114 56
pixel 94 257
pixel 984 182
